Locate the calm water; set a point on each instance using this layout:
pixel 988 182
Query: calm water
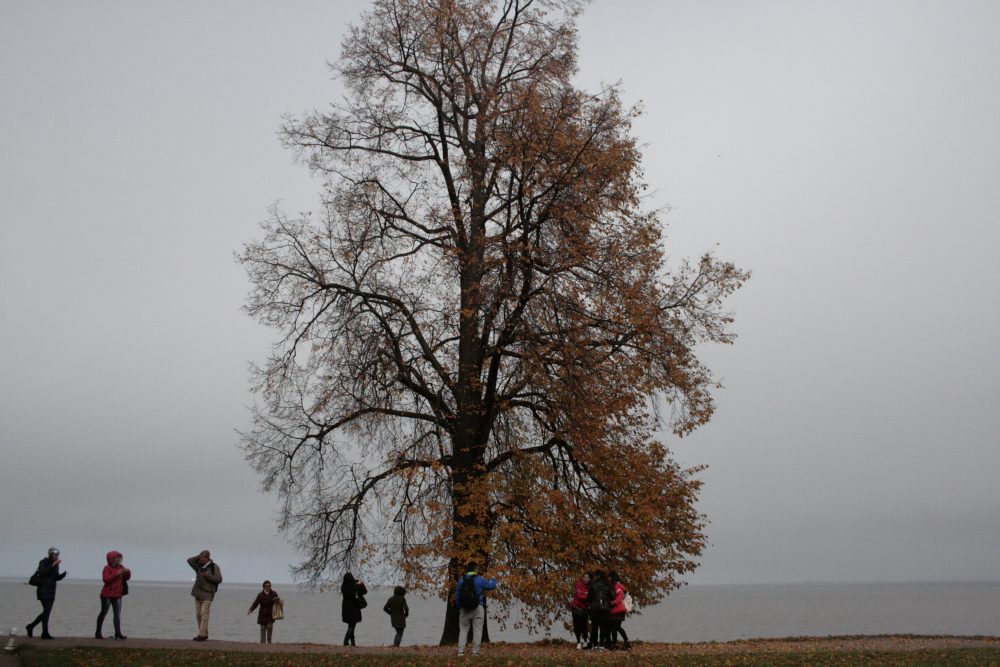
pixel 694 613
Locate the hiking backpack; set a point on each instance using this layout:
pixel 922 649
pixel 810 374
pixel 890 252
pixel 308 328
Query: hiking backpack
pixel 602 599
pixel 468 599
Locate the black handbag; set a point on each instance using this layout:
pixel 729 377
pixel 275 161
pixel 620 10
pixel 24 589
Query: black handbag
pixel 362 602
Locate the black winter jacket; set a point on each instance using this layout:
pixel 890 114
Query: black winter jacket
pixel 600 589
pixel 49 574
pixel 398 610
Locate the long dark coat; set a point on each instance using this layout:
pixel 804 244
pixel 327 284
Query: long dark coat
pixel 350 610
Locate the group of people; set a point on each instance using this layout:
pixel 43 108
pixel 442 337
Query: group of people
pixel 599 601
pixel 599 598
pixel 116 576
pixel 207 577
pixel 47 575
pixel 469 598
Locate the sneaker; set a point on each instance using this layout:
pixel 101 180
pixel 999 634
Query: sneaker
pixel 579 646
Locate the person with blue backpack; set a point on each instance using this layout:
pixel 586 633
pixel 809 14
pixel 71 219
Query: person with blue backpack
pixel 470 598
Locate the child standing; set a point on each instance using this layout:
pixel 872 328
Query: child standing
pixel 398 611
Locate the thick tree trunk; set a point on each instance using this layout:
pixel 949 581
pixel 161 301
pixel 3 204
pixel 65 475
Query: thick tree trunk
pixel 449 637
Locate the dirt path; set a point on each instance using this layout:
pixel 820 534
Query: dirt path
pixel 873 643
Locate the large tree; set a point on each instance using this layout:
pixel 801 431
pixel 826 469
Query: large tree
pixel 479 335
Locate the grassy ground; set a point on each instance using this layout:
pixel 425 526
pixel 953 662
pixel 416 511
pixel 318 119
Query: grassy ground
pixel 32 656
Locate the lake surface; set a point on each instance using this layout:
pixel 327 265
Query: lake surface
pixel 692 614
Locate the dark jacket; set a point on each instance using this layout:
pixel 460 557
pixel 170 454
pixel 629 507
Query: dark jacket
pixel 207 579
pixel 398 610
pixel 350 610
pixel 114 578
pixel 265 600
pixel 596 587
pixel 49 574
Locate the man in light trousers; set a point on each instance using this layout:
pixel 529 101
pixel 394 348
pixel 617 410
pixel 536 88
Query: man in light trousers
pixel 471 607
pixel 208 576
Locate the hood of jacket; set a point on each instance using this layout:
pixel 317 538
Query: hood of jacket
pixel 112 555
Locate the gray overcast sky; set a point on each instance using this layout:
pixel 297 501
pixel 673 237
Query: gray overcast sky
pixel 847 152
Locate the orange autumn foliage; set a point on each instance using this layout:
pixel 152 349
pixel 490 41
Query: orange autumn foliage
pixel 479 335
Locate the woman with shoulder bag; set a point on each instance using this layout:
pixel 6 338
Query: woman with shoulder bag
pixel 618 611
pixel 354 592
pixel 266 601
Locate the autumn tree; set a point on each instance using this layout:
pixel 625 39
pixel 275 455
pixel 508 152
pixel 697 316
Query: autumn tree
pixel 479 335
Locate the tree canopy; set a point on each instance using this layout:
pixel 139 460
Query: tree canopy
pixel 479 336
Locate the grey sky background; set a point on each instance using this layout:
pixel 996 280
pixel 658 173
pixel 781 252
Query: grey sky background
pixel 847 152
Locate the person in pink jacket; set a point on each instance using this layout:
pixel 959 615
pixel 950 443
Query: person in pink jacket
pixel 617 614
pixel 578 605
pixel 115 576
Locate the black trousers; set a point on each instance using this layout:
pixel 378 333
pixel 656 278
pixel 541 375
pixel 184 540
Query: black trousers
pixel 615 629
pixel 580 625
pixel 43 618
pixel 599 626
pixel 349 637
pixel 399 636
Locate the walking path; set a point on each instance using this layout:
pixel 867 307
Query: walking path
pixel 901 643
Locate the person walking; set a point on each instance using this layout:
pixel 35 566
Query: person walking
pixel 208 576
pixel 578 605
pixel 470 598
pixel 617 616
pixel 115 576
pixel 47 575
pixel 354 592
pixel 599 603
pixel 398 610
pixel 264 603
